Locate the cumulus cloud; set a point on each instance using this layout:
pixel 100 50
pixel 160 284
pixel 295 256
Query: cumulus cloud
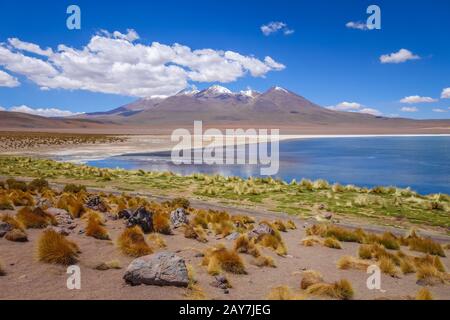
pixel 29 47
pixel 355 107
pixel 409 109
pixel 116 63
pixel 445 93
pixel 401 56
pixel 357 25
pixel 439 110
pixel 6 80
pixel 417 99
pixel 43 112
pixel 274 27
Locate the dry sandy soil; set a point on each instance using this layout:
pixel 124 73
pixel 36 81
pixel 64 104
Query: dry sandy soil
pixel 29 279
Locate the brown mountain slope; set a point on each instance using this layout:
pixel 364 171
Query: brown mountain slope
pixel 220 108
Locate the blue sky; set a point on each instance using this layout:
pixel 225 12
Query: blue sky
pixel 324 60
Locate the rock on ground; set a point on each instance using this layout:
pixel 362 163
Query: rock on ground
pixel 160 269
pixel 178 218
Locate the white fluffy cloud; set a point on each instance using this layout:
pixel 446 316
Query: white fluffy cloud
pixel 409 109
pixel 2 109
pixel 6 80
pixel 445 93
pixel 417 99
pixel 355 107
pixel 439 110
pixel 274 27
pixel 43 112
pixel 401 56
pixel 115 63
pixel 357 25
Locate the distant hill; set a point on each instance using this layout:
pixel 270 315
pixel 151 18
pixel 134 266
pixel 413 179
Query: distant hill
pixel 219 107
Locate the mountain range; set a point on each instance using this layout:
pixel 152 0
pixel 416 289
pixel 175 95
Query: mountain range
pixel 218 107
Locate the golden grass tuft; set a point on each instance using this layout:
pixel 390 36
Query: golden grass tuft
pixel 194 292
pixel 388 266
pixel 132 242
pixel 161 223
pixel 424 294
pixel 332 243
pixel 2 270
pixel 309 278
pixel 6 203
pixel 113 264
pixel 21 198
pixel 220 258
pixel 244 245
pixel 282 293
pixel 279 225
pixel 71 204
pixel 388 240
pixel 264 261
pixel 349 262
pixel 197 233
pixel 426 246
pixel 53 247
pixel 338 290
pixel 310 241
pixel 16 235
pixel 36 218
pixel 291 225
pixel 157 240
pixel 95 229
pixel 11 220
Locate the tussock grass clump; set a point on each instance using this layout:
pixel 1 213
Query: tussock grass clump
pixel 113 264
pixel 16 235
pixel 220 258
pixel 310 241
pixel 197 233
pixel 264 261
pixel 388 266
pixel 321 184
pixel 36 218
pixel 377 252
pixel 309 278
pixel 2 271
pixel 244 245
pixel 280 226
pixel 339 233
pixel 157 240
pixel 349 262
pixel 291 225
pixel 332 243
pixel 161 223
pixel 53 247
pixel 274 242
pixel 339 290
pixel 21 198
pixel 426 246
pixel 132 242
pixel 95 229
pixel 180 203
pixel 223 228
pixel 14 184
pixel 6 203
pixel 71 204
pixel 282 293
pixel 424 294
pixel 12 221
pixel 388 240
pixel 194 292
pixel 428 274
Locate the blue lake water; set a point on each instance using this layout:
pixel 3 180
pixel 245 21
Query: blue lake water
pixel 422 163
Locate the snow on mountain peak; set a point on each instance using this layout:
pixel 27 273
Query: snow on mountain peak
pixel 219 90
pixel 249 93
pixel 280 89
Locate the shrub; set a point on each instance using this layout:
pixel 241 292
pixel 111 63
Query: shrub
pixel 74 188
pixel 38 184
pixel 332 243
pixel 309 278
pixel 53 247
pixel 339 290
pixel 424 294
pixel 161 224
pixel 180 203
pixel 36 218
pixel 220 258
pixel 132 242
pixel 95 229
pixel 14 184
pixel 20 198
pixel 16 235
